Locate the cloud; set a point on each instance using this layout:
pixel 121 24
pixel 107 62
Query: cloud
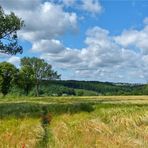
pixel 19 4
pixel 110 58
pixel 145 21
pixel 92 6
pixel 48 46
pixel 14 60
pixel 68 2
pixel 3 55
pixel 68 58
pixel 53 22
pixel 135 38
pixel 101 59
pixel 101 51
pixel 42 20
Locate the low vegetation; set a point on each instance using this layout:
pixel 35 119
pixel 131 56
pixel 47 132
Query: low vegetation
pixel 104 121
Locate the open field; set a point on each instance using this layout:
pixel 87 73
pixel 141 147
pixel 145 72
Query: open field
pixel 77 122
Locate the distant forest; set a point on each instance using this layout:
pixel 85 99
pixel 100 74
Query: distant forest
pixel 83 88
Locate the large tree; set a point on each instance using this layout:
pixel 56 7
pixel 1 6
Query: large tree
pixel 9 25
pixel 40 70
pixel 7 74
pixel 25 79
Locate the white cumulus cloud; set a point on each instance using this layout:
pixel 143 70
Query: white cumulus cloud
pixel 92 6
pixel 14 60
pixel 135 38
pixel 48 46
pixel 42 20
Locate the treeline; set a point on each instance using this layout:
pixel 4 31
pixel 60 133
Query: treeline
pixel 87 88
pixel 35 77
pixel 102 88
pixel 29 76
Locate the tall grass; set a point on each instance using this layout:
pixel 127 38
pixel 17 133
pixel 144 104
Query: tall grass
pixel 106 127
pixel 35 109
pixel 77 122
pixel 18 133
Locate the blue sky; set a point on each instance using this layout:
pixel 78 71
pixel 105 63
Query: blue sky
pixel 104 40
pixel 116 16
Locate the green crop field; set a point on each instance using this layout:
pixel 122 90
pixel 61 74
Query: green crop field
pixel 74 122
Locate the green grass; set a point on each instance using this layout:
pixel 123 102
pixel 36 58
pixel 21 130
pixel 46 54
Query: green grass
pixel 98 121
pixel 84 92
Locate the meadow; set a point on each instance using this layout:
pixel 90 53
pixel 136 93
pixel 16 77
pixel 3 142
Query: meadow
pixel 74 122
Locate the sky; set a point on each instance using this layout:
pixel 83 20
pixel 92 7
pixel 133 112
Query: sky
pixel 97 40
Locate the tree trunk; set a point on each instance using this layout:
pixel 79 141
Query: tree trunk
pixel 37 88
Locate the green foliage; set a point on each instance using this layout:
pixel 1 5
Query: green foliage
pixel 145 89
pixel 9 25
pixel 25 79
pixel 80 93
pixel 83 92
pixel 16 91
pixel 39 70
pixel 7 74
pixel 104 88
pixel 53 90
pixel 48 89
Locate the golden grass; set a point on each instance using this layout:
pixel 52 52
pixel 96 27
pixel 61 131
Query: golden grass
pixel 17 133
pixel 105 128
pixel 123 125
pixel 74 99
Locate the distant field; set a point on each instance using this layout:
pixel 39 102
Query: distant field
pixel 77 122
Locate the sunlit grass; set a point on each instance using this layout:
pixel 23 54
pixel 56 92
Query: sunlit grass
pixel 75 99
pixel 20 132
pixel 105 127
pixel 115 122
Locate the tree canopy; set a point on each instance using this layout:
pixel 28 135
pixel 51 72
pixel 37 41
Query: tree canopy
pixel 25 79
pixel 7 74
pixel 9 25
pixel 38 70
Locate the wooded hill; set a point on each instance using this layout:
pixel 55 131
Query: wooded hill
pixel 85 88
